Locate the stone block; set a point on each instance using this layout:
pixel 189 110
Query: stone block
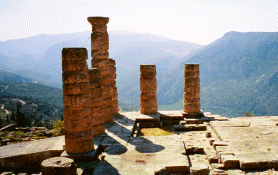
pixel 77 100
pixel 194 101
pixel 98 21
pixel 107 96
pixel 79 136
pixel 58 165
pixel 76 113
pixel 99 129
pixel 83 124
pixel 148 85
pixel 107 102
pixel 98 116
pixel 94 74
pixel 75 77
pixel 192 88
pixel 74 66
pixel 221 150
pixel 229 161
pixel 219 143
pixel 191 81
pixel 99 42
pixel 183 122
pixel 74 54
pixel 148 68
pixel 100 38
pixel 96 92
pixel 191 68
pixel 148 75
pixel 107 114
pixel 100 54
pixel 108 79
pixel 191 108
pixel 99 29
pixel 190 127
pixel 76 89
pixel 96 84
pixel 190 95
pixel 191 74
pixel 217 166
pixel 96 102
pixel 211 155
pixel 75 147
pixel 199 169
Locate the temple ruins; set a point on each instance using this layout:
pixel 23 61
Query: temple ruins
pixel 195 142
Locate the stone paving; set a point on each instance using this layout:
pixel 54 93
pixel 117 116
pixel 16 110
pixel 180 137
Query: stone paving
pixel 236 146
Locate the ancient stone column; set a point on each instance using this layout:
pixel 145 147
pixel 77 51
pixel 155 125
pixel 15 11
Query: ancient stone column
pixel 106 66
pixel 76 97
pixel 191 95
pixel 148 87
pixel 96 101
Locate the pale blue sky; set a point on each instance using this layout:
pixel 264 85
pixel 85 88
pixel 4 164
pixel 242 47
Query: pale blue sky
pixel 197 21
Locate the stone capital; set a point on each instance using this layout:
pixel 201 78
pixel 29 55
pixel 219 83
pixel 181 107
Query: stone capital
pixel 98 21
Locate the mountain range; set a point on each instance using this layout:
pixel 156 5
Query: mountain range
pixel 238 71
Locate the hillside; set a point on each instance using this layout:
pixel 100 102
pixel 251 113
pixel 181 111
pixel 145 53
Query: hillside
pixel 238 73
pixel 13 78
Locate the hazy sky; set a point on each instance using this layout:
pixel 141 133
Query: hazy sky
pixel 197 21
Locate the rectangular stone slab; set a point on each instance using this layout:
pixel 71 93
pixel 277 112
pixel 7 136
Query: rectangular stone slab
pixel 229 161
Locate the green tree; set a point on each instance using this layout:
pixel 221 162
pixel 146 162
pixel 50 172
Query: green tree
pixel 248 114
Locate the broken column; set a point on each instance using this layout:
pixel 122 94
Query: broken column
pixel 106 66
pixel 148 87
pixel 191 95
pixel 58 165
pixel 96 101
pixel 76 97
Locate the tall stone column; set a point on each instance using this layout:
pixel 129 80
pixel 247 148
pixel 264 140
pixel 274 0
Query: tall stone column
pixel 76 97
pixel 191 95
pixel 106 66
pixel 148 87
pixel 96 101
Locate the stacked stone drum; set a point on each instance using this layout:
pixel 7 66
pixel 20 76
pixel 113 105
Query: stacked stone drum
pixel 148 87
pixel 191 96
pixel 77 109
pixel 96 101
pixel 106 66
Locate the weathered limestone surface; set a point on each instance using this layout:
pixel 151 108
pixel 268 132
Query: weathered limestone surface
pixel 76 96
pixel 58 165
pixel 148 87
pixel 191 95
pixel 96 102
pixel 28 154
pixel 253 141
pixel 106 66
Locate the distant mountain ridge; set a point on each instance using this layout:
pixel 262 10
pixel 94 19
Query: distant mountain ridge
pixel 39 57
pixel 238 72
pixel 8 77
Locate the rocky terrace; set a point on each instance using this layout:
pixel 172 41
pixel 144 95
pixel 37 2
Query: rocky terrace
pixel 210 145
